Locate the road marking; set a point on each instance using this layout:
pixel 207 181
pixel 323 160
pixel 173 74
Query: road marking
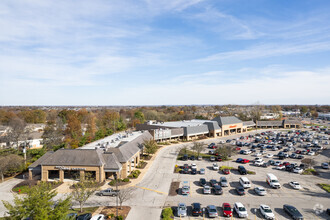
pixel 150 190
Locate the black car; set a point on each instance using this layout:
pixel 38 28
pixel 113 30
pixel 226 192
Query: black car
pixel 213 182
pixel 293 212
pixel 202 181
pixel 240 190
pixel 300 157
pixel 193 171
pixel 192 158
pixel 185 171
pixel 185 157
pixel 217 190
pixel 196 209
pixel 86 216
pixel 242 170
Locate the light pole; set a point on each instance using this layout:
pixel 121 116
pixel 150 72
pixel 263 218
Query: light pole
pixel 115 175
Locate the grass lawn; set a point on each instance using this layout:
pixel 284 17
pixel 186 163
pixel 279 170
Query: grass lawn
pixel 226 167
pixel 308 172
pixel 325 186
pixel 23 189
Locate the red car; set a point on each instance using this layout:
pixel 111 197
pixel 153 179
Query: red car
pixel 285 163
pixel 227 211
pixel 245 161
pixel 219 158
pixel 298 151
pixel 226 171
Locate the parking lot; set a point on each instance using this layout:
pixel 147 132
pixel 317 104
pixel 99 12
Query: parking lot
pixel 306 200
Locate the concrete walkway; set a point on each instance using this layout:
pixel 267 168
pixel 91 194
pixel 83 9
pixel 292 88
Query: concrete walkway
pixel 6 193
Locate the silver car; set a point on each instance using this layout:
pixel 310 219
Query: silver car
pixel 207 189
pixel 223 181
pixel 185 190
pixel 182 210
pixel 260 191
pixel 212 211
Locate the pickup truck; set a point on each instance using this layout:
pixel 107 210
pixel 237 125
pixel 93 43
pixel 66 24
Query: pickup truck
pixel 108 192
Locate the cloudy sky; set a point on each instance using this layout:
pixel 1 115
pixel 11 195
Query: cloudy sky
pixel 155 52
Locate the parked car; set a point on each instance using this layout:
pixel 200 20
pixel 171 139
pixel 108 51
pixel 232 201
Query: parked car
pixel 269 155
pixel 240 210
pixel 260 191
pixel 266 211
pixel 108 192
pixel 185 171
pixel 227 210
pixel 192 157
pixel 295 185
pixel 239 160
pixel 212 158
pixel 298 170
pixel 213 182
pixel 98 217
pixel 258 163
pixel 226 171
pixel 293 212
pixel 207 189
pixel 212 211
pixel 223 181
pixel 185 157
pixel 325 165
pixel 242 170
pixel 202 171
pixel 215 166
pixel 69 216
pixel 202 181
pixel 185 190
pixel 217 190
pixel 86 216
pixel 199 158
pixel 193 166
pixel 182 210
pixel 196 209
pixel 193 171
pixel 240 190
pixel 245 161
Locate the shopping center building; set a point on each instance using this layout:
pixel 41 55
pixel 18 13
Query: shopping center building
pixel 119 153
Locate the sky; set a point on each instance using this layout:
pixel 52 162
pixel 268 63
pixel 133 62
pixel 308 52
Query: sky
pixel 173 52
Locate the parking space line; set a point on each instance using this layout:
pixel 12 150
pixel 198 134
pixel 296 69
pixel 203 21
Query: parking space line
pixel 153 190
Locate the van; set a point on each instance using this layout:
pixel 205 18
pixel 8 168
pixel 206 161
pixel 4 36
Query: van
pixel 272 180
pixel 245 182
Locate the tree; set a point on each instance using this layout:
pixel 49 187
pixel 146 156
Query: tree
pixel 225 151
pixel 38 204
pixel 124 195
pixel 198 147
pixel 139 116
pixel 91 124
pixel 11 162
pixel 73 130
pixel 83 190
pixel 150 146
pixel 17 130
pixel 256 111
pixel 53 133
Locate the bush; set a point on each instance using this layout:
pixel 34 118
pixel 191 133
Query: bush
pixel 226 167
pixel 325 186
pixel 135 174
pixel 251 172
pixel 126 180
pixel 120 217
pixel 167 213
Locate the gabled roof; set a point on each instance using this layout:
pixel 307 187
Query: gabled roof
pixel 111 161
pixel 269 123
pixel 212 125
pixel 127 150
pixel 226 120
pixel 75 157
pixel 41 159
pixel 249 123
pixel 292 122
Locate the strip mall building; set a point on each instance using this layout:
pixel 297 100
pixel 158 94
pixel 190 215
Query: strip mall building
pixel 118 154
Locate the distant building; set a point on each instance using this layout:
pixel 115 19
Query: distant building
pixel 324 116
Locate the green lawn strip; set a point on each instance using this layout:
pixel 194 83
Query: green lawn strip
pixel 325 186
pixel 85 210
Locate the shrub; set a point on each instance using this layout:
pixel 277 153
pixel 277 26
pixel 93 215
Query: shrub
pixel 226 167
pixel 126 180
pixel 120 217
pixel 167 213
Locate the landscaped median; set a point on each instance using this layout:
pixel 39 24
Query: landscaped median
pixel 167 213
pixel 325 186
pixel 235 169
pixel 24 186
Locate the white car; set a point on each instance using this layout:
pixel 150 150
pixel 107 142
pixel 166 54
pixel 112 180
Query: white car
pixel 279 167
pixel 269 155
pixel 298 170
pixel 240 210
pixel 207 189
pixel 260 191
pixel 311 153
pixel 258 159
pixel 266 212
pixel 98 217
pixel 277 163
pixel 257 154
pixel 193 166
pixel 295 185
pixel 258 163
pixel 246 152
pixel 215 166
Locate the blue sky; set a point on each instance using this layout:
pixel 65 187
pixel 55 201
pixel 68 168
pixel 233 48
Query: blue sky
pixel 176 52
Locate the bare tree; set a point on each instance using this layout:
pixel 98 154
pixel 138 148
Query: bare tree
pixel 53 133
pixel 10 162
pixel 82 191
pixel 256 111
pixel 198 147
pixel 124 195
pixel 17 130
pixel 226 150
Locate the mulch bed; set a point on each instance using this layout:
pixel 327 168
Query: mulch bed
pixel 32 183
pixel 121 183
pixel 174 189
pixel 146 157
pixel 143 165
pixel 123 211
